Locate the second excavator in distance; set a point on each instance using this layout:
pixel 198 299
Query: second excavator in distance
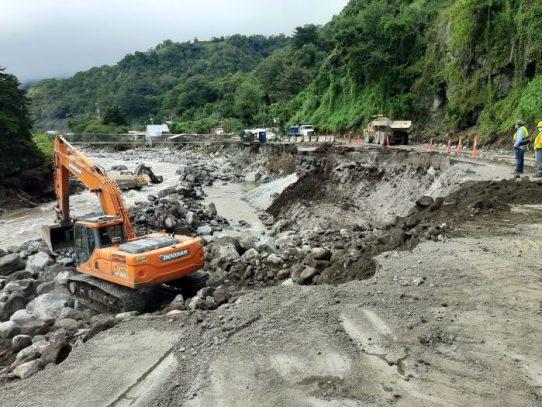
pixel 116 268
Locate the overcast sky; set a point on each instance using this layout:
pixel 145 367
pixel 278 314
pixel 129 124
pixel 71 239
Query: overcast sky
pixel 56 38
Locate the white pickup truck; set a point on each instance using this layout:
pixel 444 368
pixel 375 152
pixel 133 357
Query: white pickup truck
pixel 307 132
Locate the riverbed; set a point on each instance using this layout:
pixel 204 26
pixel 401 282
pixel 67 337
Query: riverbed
pixel 21 225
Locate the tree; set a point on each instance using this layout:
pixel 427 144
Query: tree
pixel 308 34
pixel 114 116
pixel 248 99
pixel 17 150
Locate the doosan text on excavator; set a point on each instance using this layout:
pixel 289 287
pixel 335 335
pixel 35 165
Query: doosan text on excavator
pixel 116 268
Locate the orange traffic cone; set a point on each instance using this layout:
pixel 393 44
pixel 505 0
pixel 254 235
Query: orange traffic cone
pixel 475 147
pixel 449 147
pixel 459 147
pixel 431 144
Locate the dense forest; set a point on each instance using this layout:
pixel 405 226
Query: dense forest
pixel 452 66
pixel 17 150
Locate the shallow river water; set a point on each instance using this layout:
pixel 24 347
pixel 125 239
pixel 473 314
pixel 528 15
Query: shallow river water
pixel 16 227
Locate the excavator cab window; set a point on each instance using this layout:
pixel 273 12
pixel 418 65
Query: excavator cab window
pixel 108 233
pixel 85 243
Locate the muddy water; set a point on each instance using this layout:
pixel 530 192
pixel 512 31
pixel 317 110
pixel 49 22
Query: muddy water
pixel 230 204
pixel 18 226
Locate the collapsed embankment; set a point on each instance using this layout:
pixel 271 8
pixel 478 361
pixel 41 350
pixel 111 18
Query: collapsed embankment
pixel 347 206
pixel 26 188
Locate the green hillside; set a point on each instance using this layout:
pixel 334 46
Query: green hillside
pixel 147 84
pixel 452 66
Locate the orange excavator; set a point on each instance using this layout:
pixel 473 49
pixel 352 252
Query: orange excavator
pixel 116 268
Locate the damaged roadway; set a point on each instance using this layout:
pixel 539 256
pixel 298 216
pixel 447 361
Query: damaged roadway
pixel 430 328
pixel 448 311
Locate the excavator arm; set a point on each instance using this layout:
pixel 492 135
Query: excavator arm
pixel 68 160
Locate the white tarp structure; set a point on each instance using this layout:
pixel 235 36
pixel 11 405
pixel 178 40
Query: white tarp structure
pixel 155 130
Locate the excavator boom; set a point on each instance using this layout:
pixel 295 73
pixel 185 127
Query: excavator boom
pixel 68 160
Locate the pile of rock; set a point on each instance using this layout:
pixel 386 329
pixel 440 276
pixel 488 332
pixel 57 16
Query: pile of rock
pixel 241 258
pixel 204 169
pixel 178 207
pixel 39 320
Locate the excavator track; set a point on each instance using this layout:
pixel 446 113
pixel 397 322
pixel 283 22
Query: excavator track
pixel 187 286
pixel 103 296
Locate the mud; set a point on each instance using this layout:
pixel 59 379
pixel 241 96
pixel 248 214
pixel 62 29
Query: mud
pixel 427 235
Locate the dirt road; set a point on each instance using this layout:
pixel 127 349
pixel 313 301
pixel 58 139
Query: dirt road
pixel 456 321
pixel 445 324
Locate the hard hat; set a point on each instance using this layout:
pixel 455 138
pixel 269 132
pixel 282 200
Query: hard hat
pixel 520 122
pixel 539 124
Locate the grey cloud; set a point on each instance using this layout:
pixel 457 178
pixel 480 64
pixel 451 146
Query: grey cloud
pixel 52 38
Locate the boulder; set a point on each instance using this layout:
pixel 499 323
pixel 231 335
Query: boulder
pixel 204 230
pixel 274 259
pixel 425 201
pixel 98 327
pixel 206 303
pixel 307 275
pixel 61 279
pixel 20 342
pixel 10 263
pixel 27 369
pixel 226 251
pixel 9 329
pixel 50 272
pixel 283 274
pixel 29 323
pixel 221 295
pixel 26 286
pixel 127 315
pixel 22 317
pixel 45 287
pixel 38 262
pixel 266 244
pixel 192 219
pixel 246 241
pixel 174 306
pixel 68 312
pixel 48 306
pixel 250 254
pixel 253 176
pixel 69 324
pixel 15 302
pixel 210 210
pixel 18 275
pixel 31 352
pixel 320 253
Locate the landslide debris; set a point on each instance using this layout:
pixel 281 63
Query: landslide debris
pixel 327 227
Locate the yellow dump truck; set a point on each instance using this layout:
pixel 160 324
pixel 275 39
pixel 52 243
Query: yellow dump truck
pixel 381 129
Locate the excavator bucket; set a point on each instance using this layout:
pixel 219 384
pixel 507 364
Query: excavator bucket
pixel 57 237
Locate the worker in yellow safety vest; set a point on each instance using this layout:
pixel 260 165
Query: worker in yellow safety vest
pixel 538 149
pixel 521 139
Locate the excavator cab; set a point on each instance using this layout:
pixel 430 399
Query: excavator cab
pixel 96 233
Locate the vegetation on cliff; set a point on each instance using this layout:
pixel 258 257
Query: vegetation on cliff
pixel 17 150
pixel 451 66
